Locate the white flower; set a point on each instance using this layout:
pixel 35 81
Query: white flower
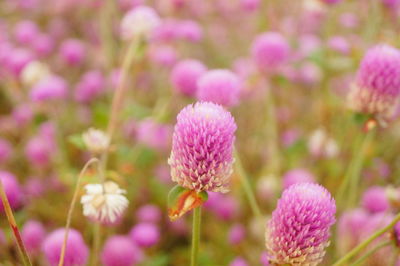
pixel 34 72
pixel 96 140
pixel 139 22
pixel 321 145
pixel 104 203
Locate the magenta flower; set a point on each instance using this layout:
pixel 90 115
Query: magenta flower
pixel 377 86
pixel 270 50
pixel 375 200
pixel 76 253
pixel 185 74
pixel 219 86
pixel 12 189
pixel 201 157
pixel 50 88
pixel 33 234
pixel 149 214
pixel 145 234
pixel 73 51
pixel 296 176
pixel 298 232
pixel 89 87
pixel 119 250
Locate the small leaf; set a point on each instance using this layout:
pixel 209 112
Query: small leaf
pixel 77 141
pixel 181 200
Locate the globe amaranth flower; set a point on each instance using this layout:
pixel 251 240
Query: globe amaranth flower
pixel 76 253
pixel 298 231
pixel 202 146
pixel 377 85
pixel 298 175
pixel 104 203
pixel 139 22
pixel 12 189
pixel 219 86
pixel 96 140
pixel 185 74
pixel 120 250
pixel 33 234
pixel 375 199
pixel 270 50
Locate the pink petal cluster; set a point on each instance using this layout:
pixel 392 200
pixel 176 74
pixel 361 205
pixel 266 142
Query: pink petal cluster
pixel 298 232
pixel 377 86
pixel 201 157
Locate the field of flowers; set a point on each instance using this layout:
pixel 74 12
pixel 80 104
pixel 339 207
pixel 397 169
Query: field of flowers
pixel 202 133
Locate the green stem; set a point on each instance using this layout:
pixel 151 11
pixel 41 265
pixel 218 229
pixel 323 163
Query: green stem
pixel 246 185
pixel 72 207
pixel 352 176
pixel 96 244
pixel 195 236
pixel 368 241
pixel 371 251
pixel 11 220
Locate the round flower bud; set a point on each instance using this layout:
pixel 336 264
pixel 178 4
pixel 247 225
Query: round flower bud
pixel 145 235
pixel 120 250
pixel 12 189
pixel 33 234
pixel 375 200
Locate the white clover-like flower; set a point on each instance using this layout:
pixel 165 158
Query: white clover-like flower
pixel 104 203
pixel 139 22
pixel 34 72
pixel 96 140
pixel 321 145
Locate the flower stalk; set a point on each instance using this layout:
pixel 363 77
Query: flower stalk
pixel 195 236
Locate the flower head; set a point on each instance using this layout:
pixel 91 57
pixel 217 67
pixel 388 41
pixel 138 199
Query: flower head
pixel 296 176
pixel 185 74
pixel 33 234
pixel 139 22
pixel 96 140
pixel 145 234
pixel 120 250
pixel 13 190
pixel 270 50
pixel 104 203
pixel 375 200
pixel 298 232
pixel 76 253
pixel 201 157
pixel 219 86
pixel 377 85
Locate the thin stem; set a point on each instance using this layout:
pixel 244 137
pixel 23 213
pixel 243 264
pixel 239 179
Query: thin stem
pixel 11 221
pixel 195 236
pixel 96 243
pixel 364 244
pixel 246 185
pixel 371 251
pixel 352 176
pixel 72 207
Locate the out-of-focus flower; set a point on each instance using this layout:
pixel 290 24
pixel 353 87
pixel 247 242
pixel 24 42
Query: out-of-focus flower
pixel 145 234
pixel 267 188
pixel 5 150
pixel 34 72
pixel 50 88
pixel 104 203
pixel 219 86
pixel 392 4
pixel 310 210
pixel 250 5
pixel 264 259
pixel 96 140
pixel 185 74
pixel 270 50
pixel 22 115
pixel 73 51
pixel 76 252
pixel 12 189
pixel 339 44
pixel 34 187
pixel 120 250
pixel 331 2
pixel 26 31
pixel 201 157
pixel 89 87
pixel 236 234
pixel 17 59
pixel 239 261
pixel 154 135
pixel 33 234
pixel 43 45
pixel 139 22
pixel 350 227
pixel 224 207
pixel 375 200
pixel 296 176
pixel 190 30
pixel 321 145
pixel 163 55
pixel 377 85
pixel 148 214
pixel 39 151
